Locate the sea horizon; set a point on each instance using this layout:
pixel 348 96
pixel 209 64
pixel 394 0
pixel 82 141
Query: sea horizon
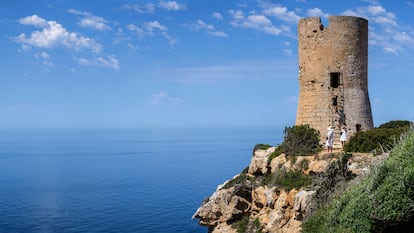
pixel 117 180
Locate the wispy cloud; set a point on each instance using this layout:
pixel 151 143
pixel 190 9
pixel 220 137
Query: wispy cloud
pixel 53 34
pixel 375 13
pixel 108 61
pixel 287 52
pixel 218 33
pixel 91 21
pixel 137 30
pixel 44 57
pixel 140 9
pixel 150 8
pixel 162 99
pixel 314 12
pixel 282 13
pixel 217 15
pixel 385 32
pixel 253 21
pixel 411 4
pixel 201 25
pixel 170 5
pixel 151 28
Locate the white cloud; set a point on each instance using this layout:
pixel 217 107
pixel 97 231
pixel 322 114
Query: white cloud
pixel 150 8
pixel 33 20
pixel 404 38
pixel 374 13
pixel 285 28
pixel 82 61
pixel 42 55
pixel 145 9
pixel 314 12
pixel 411 4
pixel 170 5
pixel 164 99
pixel 217 15
pixel 154 25
pixel 218 34
pixel 54 34
pixel 108 61
pixel 91 21
pixel 202 25
pixel 48 63
pixel 151 28
pixel 375 10
pixel 44 58
pixel 282 13
pixel 287 52
pixel 384 31
pixel 254 21
pixel 137 30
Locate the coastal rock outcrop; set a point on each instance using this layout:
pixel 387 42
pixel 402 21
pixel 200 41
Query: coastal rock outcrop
pixel 253 198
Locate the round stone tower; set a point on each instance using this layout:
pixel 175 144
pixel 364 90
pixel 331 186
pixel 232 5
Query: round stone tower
pixel 333 80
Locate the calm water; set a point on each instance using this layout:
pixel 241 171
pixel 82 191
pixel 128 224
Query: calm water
pixel 116 181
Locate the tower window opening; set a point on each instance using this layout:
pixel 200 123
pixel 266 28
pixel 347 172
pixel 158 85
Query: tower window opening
pixel 334 79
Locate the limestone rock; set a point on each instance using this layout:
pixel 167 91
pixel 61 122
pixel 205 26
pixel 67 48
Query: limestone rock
pixel 318 166
pixel 278 162
pixel 224 205
pixel 303 204
pixel 258 164
pixel 223 228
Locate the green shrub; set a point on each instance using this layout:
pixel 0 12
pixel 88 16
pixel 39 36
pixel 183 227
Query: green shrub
pixel 374 140
pixel 241 225
pixel 396 124
pixel 275 153
pixel 240 179
pixel 382 138
pixel 300 140
pixel 288 180
pixel 261 147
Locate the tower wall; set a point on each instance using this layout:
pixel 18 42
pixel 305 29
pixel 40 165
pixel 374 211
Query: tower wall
pixel 333 62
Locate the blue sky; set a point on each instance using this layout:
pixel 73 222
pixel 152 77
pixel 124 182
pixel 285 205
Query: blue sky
pixel 194 63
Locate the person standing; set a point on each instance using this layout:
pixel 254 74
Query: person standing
pixel 335 103
pixel 330 139
pixel 343 137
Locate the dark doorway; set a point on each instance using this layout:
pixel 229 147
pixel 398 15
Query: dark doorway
pixel 334 79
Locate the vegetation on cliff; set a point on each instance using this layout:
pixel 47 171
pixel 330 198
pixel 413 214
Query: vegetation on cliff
pixel 379 139
pixel 384 199
pixel 300 140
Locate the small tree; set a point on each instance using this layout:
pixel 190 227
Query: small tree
pixel 300 140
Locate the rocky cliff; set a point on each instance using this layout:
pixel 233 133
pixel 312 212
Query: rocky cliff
pixel 277 193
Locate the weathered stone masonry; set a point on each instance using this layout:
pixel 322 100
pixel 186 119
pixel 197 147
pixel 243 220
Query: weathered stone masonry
pixel 333 62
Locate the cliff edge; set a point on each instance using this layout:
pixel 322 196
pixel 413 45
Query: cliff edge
pixel 276 193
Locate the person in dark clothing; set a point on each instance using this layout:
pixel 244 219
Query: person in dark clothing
pixel 335 103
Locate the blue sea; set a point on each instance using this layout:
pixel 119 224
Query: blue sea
pixel 150 180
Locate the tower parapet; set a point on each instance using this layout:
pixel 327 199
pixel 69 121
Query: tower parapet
pixel 333 74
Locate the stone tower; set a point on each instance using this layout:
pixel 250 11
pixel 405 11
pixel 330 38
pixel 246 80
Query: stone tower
pixel 333 80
